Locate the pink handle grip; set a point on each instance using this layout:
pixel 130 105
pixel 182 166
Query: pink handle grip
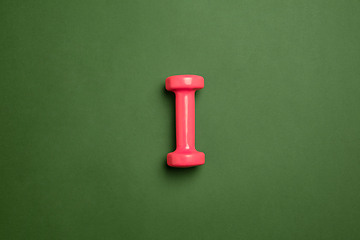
pixel 184 87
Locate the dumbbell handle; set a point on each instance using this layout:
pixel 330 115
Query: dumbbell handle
pixel 185 118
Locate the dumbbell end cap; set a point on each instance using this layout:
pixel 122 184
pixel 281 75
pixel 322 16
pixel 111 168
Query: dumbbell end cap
pixel 185 159
pixel 184 82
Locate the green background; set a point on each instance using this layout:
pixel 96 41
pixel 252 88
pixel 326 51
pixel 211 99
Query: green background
pixel 86 122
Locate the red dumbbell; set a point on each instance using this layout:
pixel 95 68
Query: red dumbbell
pixel 184 87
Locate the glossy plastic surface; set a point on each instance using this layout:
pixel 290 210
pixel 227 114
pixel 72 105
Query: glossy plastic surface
pixel 184 87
